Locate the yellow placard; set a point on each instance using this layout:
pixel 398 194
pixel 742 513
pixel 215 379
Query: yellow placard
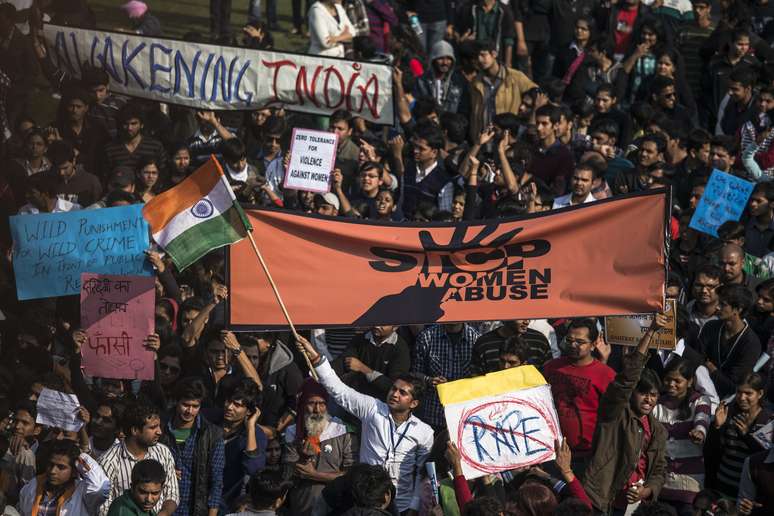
pixel 627 330
pixel 492 384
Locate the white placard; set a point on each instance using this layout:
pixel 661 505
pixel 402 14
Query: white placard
pixel 206 76
pixel 59 410
pixel 312 157
pixel 504 432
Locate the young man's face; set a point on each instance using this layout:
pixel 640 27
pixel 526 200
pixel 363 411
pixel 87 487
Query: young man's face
pixel 509 360
pixel 721 158
pixel 603 101
pixel 758 204
pixel 327 210
pixel 132 128
pixel 563 128
pixel 696 193
pixel 545 129
pixel 59 471
pixel 704 289
pixel 273 452
pixel 100 92
pixel 739 92
pixel 147 495
pixel 667 98
pixel 701 10
pixel 579 343
pixel 741 46
pixel 765 102
pixel 649 154
pixel 726 312
pixel 423 152
pixel 731 265
pixel 217 355
pixel 66 169
pixel 24 425
pixel 443 64
pixel 702 154
pixel 272 143
pixel 369 180
pixel 150 433
pixel 76 110
pixel 104 424
pixel 486 59
pixel 644 402
pixel 342 130
pixel 234 411
pixel 187 410
pixel 581 182
pixel 401 396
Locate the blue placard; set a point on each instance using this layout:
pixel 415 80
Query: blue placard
pixel 51 250
pixel 725 198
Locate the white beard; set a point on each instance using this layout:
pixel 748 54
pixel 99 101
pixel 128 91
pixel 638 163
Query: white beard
pixel 315 424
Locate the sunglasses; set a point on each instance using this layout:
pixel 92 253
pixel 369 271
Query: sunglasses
pixel 171 369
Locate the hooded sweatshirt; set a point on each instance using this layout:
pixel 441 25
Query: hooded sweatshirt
pixel 450 91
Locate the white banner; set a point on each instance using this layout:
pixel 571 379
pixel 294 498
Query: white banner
pixel 216 77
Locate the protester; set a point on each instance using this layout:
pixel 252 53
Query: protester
pixel 147 483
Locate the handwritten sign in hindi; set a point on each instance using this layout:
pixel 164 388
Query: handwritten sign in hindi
pixel 501 421
pixel 51 250
pixel 627 330
pixel 725 198
pixel 59 410
pixel 117 313
pixel 312 156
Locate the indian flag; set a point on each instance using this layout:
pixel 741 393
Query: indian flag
pixel 198 215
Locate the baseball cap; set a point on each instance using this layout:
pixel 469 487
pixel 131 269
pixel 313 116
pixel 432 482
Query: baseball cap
pixel 330 198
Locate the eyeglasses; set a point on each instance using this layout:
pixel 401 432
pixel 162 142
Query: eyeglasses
pixel 171 369
pixel 669 95
pixel 578 342
pixel 704 286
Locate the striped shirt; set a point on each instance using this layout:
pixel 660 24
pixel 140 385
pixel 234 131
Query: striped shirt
pixel 118 463
pixel 117 155
pixel 685 459
pixel 735 448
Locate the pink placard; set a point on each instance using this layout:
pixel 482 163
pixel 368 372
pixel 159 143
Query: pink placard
pixel 117 313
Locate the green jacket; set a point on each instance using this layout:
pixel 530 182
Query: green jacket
pixel 125 506
pixel 618 438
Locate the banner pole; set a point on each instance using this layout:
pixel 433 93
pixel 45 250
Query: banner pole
pixel 279 300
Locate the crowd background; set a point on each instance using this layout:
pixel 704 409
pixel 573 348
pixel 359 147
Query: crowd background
pixel 503 109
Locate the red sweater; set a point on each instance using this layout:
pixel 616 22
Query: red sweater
pixel 577 390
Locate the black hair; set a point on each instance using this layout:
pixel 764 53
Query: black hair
pixel 245 391
pixel 75 93
pixel 687 370
pixel 572 507
pixel 191 388
pixel 554 88
pixel 609 88
pixel 486 45
pixel 744 75
pixel 148 471
pixel 43 183
pixel 129 112
pixel 766 188
pixel 267 487
pixel 731 230
pixel 94 76
pixel 515 345
pixel 136 415
pixel 727 142
pixel 675 131
pixel 655 138
pixel 432 134
pixel 28 406
pixel 418 385
pixel 591 166
pixel 659 83
pixel 456 127
pixel 755 380
pixel 370 484
pixel 649 382
pixel 68 449
pixel 654 509
pixel 586 322
pixel 170 350
pixel 115 196
pixel 737 296
pixel 341 115
pixel 424 107
pixel 606 127
pixel 60 151
pixel 483 506
pixel 232 150
pixel 552 112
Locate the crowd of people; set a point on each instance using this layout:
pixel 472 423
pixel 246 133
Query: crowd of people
pixel 503 109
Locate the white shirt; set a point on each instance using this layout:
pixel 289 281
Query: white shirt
pixel 60 206
pixel 322 25
pixel 445 196
pixel 401 450
pixel 566 200
pixel 117 463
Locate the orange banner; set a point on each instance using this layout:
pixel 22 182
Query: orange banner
pixel 604 258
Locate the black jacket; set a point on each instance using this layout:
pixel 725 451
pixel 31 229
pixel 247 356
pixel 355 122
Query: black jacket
pixel 207 435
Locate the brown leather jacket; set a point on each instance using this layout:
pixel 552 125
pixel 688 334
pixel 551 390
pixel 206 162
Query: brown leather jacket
pixel 618 438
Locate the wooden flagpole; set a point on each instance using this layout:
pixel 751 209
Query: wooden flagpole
pixel 279 300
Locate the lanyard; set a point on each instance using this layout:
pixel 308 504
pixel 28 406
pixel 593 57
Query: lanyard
pixel 400 439
pixel 732 347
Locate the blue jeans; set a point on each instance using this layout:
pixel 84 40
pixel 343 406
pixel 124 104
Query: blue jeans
pixel 433 33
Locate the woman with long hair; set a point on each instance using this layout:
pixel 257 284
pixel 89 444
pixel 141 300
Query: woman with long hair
pixel 669 63
pixel 640 64
pixel 148 183
pixel 685 413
